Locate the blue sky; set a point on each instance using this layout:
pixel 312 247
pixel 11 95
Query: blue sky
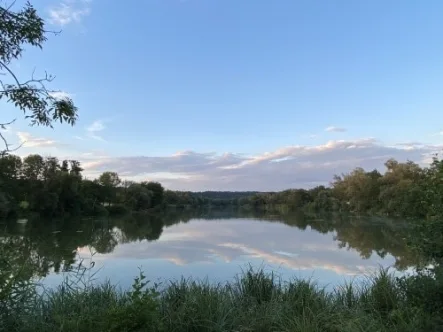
pixel 206 88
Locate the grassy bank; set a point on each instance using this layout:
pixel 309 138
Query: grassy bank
pixel 256 301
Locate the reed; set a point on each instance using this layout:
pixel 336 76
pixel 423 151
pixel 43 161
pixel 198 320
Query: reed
pixel 254 301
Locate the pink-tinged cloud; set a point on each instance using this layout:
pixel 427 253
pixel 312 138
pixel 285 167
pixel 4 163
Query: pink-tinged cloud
pixel 287 167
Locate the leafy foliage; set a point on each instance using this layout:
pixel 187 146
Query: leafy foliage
pixel 19 29
pixel 51 187
pixel 405 189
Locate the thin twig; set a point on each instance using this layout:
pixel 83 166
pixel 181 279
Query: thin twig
pixel 6 11
pixel 7 145
pixel 5 142
pixel 10 72
pixel 7 123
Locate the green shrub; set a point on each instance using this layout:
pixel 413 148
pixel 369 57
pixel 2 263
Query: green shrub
pixel 139 310
pixel 256 286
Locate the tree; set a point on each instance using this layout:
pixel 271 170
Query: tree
pixel 10 167
pixel 109 179
pixel 157 192
pixel 139 197
pixel 33 167
pixel 76 169
pixel 50 168
pixel 359 189
pixel 92 196
pixel 109 182
pixel 19 29
pixel 400 189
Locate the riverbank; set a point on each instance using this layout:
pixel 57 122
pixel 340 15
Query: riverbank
pixel 255 301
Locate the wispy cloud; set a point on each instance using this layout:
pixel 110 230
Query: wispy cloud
pixel 96 127
pixel 334 129
pixel 310 136
pixel 27 140
pixel 69 11
pixel 60 95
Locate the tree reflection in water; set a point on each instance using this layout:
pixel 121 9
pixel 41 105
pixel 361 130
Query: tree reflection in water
pixel 51 246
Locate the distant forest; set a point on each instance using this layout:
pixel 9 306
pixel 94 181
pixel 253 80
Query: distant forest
pixel 48 186
pixel 224 195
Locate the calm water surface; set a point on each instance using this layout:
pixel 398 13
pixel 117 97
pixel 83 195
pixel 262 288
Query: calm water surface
pixel 213 245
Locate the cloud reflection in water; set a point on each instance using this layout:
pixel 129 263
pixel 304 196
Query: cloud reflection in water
pixel 220 248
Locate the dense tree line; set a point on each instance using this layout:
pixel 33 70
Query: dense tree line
pixel 216 199
pixel 405 189
pixel 48 186
pixel 224 195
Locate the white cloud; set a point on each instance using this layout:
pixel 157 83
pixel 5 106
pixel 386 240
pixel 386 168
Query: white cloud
pixel 29 141
pixel 96 127
pixel 69 11
pixel 60 95
pixel 310 136
pixel 287 167
pixel 334 129
pixel 94 130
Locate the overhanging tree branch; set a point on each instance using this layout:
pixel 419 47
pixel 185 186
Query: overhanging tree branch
pixel 7 148
pixel 18 29
pixel 2 65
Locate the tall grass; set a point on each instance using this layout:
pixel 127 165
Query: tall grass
pixel 254 301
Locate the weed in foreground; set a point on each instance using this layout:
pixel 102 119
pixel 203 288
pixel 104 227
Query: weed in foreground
pixel 255 301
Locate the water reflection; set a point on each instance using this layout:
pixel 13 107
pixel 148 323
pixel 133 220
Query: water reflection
pixel 213 244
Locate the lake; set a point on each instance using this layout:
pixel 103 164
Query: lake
pixel 215 245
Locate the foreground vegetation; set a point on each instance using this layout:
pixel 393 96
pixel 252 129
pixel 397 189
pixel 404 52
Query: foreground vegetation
pixel 255 301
